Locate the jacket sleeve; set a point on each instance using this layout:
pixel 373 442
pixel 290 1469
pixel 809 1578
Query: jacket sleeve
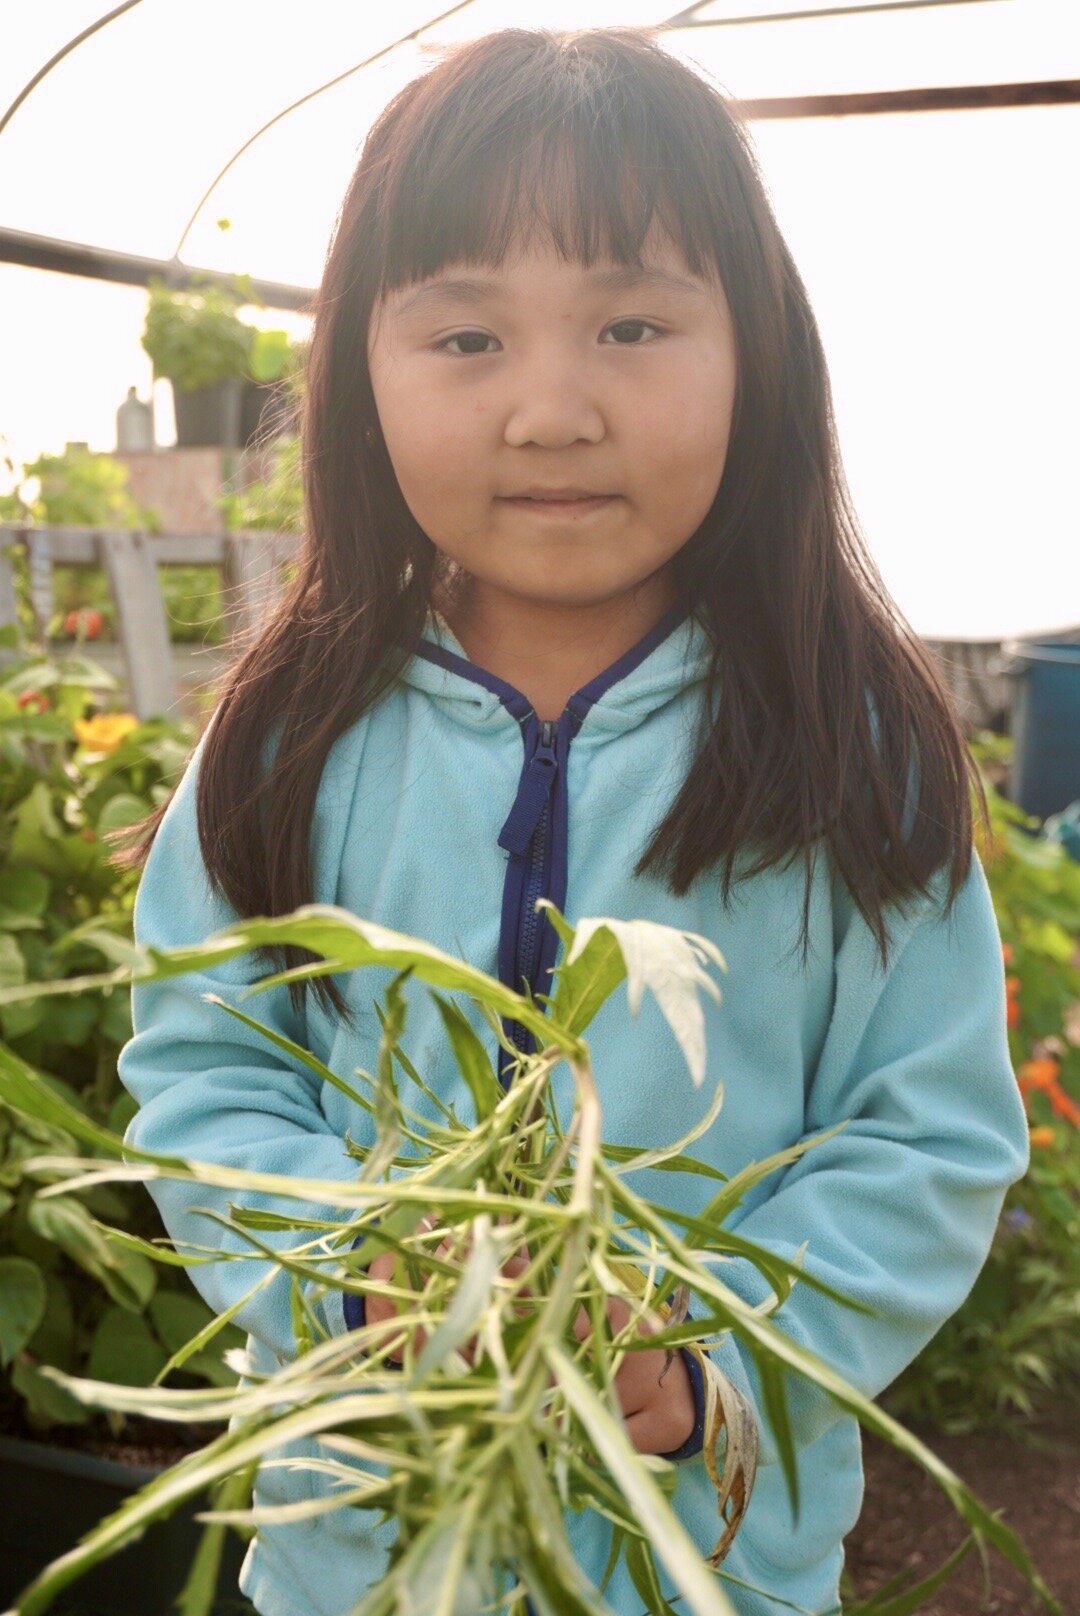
pixel 901 1206
pixel 209 1089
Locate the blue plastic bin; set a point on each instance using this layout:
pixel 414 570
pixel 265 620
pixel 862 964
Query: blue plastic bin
pixel 1044 723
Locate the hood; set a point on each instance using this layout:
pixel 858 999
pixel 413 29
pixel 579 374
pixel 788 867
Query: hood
pixel 673 655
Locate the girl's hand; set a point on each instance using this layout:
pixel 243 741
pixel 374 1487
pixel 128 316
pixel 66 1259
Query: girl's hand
pixel 379 1308
pixel 659 1415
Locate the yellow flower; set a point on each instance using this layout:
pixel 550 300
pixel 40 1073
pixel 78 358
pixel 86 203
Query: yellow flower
pixel 105 731
pixel 1042 1136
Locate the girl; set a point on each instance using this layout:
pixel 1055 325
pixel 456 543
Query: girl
pixel 583 612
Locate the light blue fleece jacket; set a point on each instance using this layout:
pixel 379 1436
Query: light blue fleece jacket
pixel 443 812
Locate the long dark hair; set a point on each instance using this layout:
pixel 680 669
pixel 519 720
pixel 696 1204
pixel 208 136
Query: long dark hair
pixel 584 137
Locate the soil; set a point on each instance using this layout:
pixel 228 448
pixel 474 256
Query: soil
pixel 907 1524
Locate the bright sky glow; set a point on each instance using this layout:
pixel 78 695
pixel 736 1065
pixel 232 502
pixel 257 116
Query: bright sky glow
pixel 940 250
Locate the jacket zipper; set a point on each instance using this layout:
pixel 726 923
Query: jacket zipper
pixel 527 833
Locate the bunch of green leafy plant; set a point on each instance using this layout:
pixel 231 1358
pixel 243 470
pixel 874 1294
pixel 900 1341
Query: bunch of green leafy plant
pixel 79 488
pixel 476 1460
pixel 271 357
pixel 75 489
pixel 276 501
pixel 196 337
pixel 69 1295
pixel 1012 1351
pixel 194 599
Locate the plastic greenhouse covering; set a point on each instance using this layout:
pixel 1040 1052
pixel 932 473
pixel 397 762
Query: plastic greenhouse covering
pixel 938 241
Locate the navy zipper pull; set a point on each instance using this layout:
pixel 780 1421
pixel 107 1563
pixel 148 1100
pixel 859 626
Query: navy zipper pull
pixel 533 793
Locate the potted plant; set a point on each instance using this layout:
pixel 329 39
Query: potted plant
pixel 197 340
pixel 268 394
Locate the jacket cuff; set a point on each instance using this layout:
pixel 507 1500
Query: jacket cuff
pixel 696 1440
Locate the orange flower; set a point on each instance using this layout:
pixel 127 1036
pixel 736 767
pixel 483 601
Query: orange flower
pixel 1012 1014
pixel 1038 1074
pixel 1007 953
pixel 1041 1136
pixel 1064 1106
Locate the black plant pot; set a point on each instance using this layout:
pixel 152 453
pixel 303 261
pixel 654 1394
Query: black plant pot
pixel 265 411
pixel 52 1496
pixel 209 417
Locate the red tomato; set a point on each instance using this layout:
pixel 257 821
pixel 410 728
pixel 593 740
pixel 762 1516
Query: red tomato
pixel 88 621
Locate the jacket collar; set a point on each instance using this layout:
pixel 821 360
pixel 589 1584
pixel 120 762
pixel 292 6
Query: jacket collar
pixel 673 655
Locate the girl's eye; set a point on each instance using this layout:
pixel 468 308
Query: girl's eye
pixel 632 325
pixel 472 340
pixel 463 336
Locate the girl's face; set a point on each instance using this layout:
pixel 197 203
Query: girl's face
pixel 549 378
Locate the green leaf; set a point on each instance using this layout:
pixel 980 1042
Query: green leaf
pixel 12 964
pixel 128 1276
pixel 71 1022
pixel 587 983
pixel 671 1541
pixel 36 726
pixel 115 1024
pixel 470 1301
pixel 123 809
pixel 22 1304
pixel 115 945
pixel 17 1020
pixel 886 1602
pixel 211 1368
pixel 45 1400
pixel 1048 938
pixel 199 1592
pixel 53 1341
pixel 664 959
pixel 177 1316
pixel 34 1095
pixel 295 1050
pixel 345 942
pixel 123 1351
pixel 472 1058
pixel 26 894
pixel 35 826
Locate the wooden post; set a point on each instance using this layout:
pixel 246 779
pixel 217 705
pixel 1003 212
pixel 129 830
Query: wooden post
pixel 9 612
pixel 140 616
pixel 39 564
pixel 253 577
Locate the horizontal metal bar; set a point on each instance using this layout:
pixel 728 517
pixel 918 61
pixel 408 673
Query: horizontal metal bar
pixel 811 13
pixel 932 98
pixel 130 269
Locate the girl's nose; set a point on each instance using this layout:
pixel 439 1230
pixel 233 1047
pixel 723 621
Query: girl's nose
pixel 553 409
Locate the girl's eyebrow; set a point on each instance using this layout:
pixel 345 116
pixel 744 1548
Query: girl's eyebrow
pixel 476 289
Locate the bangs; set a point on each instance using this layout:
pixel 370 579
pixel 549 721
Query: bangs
pixel 552 143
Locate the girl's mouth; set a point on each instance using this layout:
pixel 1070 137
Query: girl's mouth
pixel 561 509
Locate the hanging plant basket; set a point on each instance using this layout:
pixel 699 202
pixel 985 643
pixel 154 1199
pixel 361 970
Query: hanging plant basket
pixel 209 417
